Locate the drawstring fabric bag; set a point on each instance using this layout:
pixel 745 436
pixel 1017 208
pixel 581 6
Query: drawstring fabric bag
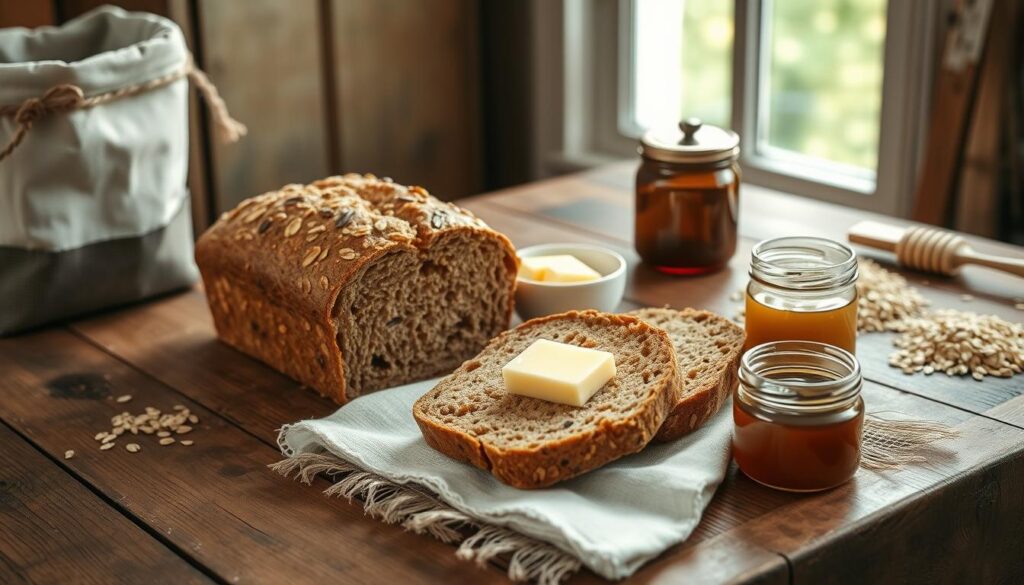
pixel 94 207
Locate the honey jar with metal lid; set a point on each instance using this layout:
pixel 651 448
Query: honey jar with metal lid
pixel 687 198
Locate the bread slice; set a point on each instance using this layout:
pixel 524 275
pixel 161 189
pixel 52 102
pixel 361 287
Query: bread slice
pixel 708 349
pixel 532 443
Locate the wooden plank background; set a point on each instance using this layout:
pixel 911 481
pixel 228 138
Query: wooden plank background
pixel 438 93
pixel 324 86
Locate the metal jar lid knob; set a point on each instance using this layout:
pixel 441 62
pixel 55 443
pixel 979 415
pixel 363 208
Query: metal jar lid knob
pixel 690 126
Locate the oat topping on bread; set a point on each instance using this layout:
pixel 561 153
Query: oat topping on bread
pixel 353 283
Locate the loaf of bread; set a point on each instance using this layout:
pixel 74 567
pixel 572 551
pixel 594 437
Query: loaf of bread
pixel 352 284
pixel 708 349
pixel 532 443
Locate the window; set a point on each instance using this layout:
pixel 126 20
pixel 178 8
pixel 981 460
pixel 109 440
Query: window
pixel 821 91
pixel 827 95
pixel 682 64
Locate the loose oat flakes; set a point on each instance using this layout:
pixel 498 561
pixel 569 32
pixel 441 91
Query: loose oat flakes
pixel 959 343
pixel 885 300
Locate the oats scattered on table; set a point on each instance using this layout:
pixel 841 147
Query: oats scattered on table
pixel 187 443
pixel 124 398
pixel 69 453
pixel 151 421
pixel 885 302
pixel 960 343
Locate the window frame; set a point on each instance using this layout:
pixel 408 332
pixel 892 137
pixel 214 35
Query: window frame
pixel 598 124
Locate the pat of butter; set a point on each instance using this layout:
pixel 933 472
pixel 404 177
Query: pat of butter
pixel 558 372
pixel 558 268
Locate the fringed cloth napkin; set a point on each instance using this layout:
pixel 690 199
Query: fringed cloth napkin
pixel 612 520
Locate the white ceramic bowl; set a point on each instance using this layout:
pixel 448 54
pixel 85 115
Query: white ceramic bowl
pixel 537 299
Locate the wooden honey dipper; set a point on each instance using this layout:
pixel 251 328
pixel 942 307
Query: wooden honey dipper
pixel 929 249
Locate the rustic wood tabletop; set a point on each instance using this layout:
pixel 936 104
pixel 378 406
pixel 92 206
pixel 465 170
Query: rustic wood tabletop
pixel 213 511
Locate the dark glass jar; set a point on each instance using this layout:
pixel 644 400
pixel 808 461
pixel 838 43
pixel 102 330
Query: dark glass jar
pixel 687 198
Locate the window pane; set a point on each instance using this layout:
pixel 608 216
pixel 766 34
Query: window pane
pixel 683 64
pixel 822 75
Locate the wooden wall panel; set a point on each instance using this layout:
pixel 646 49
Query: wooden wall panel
pixel 407 89
pixel 264 56
pixel 26 13
pixel 203 206
pixel 67 9
pixel 978 198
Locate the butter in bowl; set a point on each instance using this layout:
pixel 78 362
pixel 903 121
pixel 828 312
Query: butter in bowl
pixel 554 278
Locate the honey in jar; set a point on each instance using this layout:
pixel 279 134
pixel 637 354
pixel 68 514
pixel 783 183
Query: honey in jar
pixel 798 416
pixel 804 289
pixel 687 197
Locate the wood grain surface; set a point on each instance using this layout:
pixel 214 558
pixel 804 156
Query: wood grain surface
pixel 216 508
pixel 215 502
pixel 53 529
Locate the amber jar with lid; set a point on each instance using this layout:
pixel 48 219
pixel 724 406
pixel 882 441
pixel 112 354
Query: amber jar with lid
pixel 798 415
pixel 687 198
pixel 802 288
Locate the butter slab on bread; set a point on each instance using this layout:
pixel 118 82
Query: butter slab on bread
pixel 352 283
pixel 708 349
pixel 532 443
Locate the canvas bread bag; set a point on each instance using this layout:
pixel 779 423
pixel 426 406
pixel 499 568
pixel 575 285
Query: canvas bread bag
pixel 94 209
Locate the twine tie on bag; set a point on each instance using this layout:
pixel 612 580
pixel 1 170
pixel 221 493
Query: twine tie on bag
pixel 66 97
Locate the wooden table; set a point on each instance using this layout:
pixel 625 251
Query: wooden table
pixel 214 512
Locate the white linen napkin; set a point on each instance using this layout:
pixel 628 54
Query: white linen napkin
pixel 613 519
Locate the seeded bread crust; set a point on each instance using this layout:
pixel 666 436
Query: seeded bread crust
pixel 531 443
pixel 284 275
pixel 708 349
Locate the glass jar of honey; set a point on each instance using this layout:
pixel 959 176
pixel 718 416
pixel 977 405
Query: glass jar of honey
pixel 798 415
pixel 802 288
pixel 687 198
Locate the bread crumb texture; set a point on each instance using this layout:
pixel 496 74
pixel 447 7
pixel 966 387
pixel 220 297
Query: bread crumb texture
pixel 708 349
pixel 530 443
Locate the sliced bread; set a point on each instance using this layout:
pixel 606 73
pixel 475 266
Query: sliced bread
pixel 532 443
pixel 708 349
